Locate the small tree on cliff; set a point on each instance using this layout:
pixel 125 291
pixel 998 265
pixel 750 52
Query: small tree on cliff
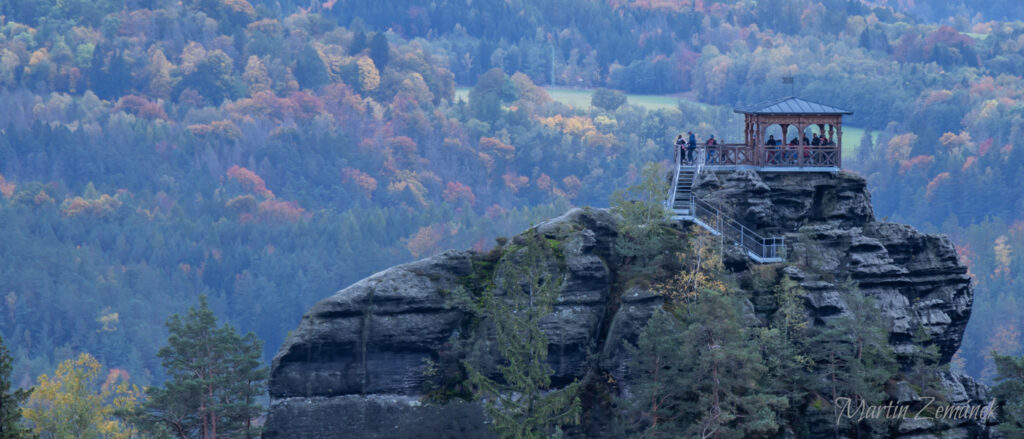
pixel 10 401
pixel 215 380
pixel 645 239
pixel 520 403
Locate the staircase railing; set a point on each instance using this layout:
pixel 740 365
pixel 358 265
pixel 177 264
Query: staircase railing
pixel 675 181
pixel 764 248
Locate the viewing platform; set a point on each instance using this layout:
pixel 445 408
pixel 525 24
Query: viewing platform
pixel 810 139
pixel 784 135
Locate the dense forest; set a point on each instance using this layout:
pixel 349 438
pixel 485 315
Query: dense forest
pixel 266 154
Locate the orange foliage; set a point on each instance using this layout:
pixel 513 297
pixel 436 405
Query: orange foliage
pixel 935 183
pixel 494 211
pixel 543 182
pixel 282 210
pixel 250 180
pixel 967 163
pixel 359 178
pixel 514 181
pixel 141 107
pixel 923 161
pixel 424 241
pixel 6 188
pixel 506 151
pixel 456 192
pixel 572 186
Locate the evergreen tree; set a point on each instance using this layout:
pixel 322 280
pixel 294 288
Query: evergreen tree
pixel 10 400
pixel 310 70
pixel 924 362
pixel 784 346
pixel 1009 391
pixel 726 394
pixel 658 381
pixel 214 380
pixel 853 354
pixel 521 404
pixel 380 52
pixel 358 43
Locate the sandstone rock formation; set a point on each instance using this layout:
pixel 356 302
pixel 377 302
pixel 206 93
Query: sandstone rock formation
pixel 355 365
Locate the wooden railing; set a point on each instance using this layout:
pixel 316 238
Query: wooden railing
pixel 735 154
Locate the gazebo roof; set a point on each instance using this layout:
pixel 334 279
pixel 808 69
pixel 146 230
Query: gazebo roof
pixel 790 105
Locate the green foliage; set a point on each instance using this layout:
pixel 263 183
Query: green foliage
pixel 10 399
pixel 520 402
pixel 380 51
pixel 485 99
pixel 215 380
pixel 607 99
pixel 644 236
pixel 853 355
pixel 1009 391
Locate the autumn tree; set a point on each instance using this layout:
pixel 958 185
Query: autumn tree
pixel 215 379
pixel 10 400
pixel 74 403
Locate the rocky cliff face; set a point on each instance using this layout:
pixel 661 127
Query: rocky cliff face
pixel 355 365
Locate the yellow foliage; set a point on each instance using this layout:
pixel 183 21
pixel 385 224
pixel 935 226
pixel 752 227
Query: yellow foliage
pixel 369 76
pixel 1002 251
pixel 73 404
pixel 700 272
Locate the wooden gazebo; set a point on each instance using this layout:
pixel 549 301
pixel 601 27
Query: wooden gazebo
pixel 810 138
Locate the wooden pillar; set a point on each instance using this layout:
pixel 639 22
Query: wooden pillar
pixel 801 148
pixel 839 144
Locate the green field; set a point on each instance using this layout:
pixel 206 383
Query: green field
pixel 580 98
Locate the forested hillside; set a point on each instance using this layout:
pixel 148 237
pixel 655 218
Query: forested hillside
pixel 270 153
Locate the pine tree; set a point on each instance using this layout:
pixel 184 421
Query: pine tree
pixel 10 412
pixel 726 395
pixel 521 403
pixel 1009 391
pixel 853 353
pixel 785 349
pixel 380 52
pixel 924 362
pixel 658 381
pixel 215 378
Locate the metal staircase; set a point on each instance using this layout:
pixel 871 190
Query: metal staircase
pixel 686 207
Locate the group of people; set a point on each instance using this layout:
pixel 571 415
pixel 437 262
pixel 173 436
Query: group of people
pixel 816 141
pixel 687 146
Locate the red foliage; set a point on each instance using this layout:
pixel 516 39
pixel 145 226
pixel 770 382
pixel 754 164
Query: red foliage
pixel 359 178
pixel 140 107
pixel 306 105
pixel 456 192
pixel 250 180
pixel 922 161
pixel 282 210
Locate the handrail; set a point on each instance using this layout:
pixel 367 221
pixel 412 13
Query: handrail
pixel 675 181
pixel 751 241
